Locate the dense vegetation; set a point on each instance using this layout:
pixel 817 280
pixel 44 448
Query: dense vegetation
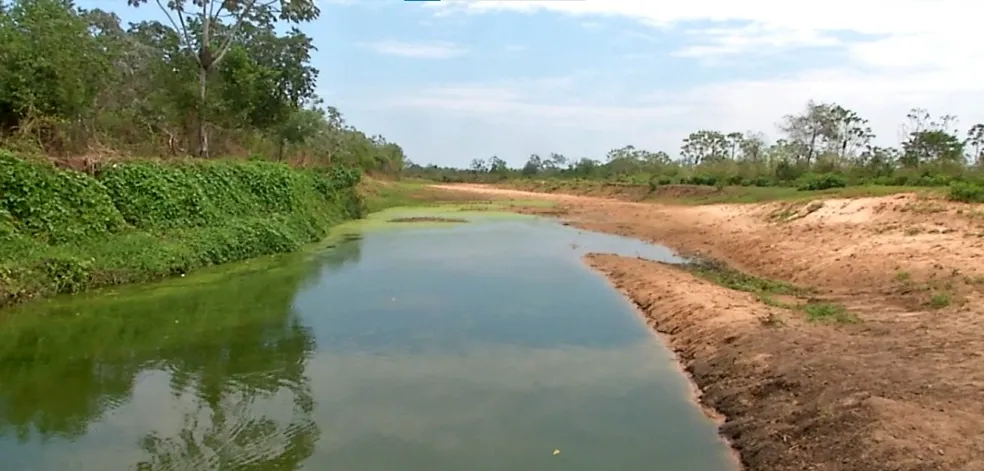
pixel 124 107
pixel 63 231
pixel 825 146
pixel 215 78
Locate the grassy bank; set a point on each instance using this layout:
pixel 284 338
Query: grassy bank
pixel 384 194
pixel 703 194
pixel 64 232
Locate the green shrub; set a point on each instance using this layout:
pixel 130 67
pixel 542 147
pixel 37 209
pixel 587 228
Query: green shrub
pixel 67 274
pixel 705 180
pixel 51 205
pixel 761 182
pixel 966 192
pixel 816 182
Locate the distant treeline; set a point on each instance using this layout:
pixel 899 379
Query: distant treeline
pixel 824 146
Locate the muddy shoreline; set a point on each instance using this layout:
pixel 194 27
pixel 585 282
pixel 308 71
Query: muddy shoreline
pixel 696 390
pixel 900 389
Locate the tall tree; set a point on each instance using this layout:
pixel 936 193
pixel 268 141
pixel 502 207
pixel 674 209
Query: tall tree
pixel 975 139
pixel 849 132
pixel 810 129
pixel 734 140
pixel 50 64
pixel 753 147
pixel 931 140
pixel 208 28
pixel 479 166
pixel 705 146
pixel 533 166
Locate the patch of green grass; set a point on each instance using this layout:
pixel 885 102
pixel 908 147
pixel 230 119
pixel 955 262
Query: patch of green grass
pixel 381 195
pixel 829 312
pixel 702 194
pixel 751 194
pixel 720 274
pixel 903 276
pixel 768 300
pixel 940 300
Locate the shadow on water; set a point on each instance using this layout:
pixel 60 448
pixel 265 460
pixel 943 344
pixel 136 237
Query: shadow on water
pixel 480 346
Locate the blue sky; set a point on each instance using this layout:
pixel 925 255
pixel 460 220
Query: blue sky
pixel 455 80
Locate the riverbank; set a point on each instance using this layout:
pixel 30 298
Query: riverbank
pixel 703 194
pixel 845 334
pixel 63 231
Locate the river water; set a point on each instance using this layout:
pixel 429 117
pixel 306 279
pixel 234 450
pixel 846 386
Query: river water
pixel 466 347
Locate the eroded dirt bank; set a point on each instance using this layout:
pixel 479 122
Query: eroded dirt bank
pixel 902 389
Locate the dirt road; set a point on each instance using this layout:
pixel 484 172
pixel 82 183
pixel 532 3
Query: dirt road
pixel 901 389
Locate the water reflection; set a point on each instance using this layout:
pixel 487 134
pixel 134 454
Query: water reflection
pixel 473 347
pixel 222 349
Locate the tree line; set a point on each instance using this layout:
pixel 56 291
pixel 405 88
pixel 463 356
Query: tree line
pixel 824 145
pixel 212 78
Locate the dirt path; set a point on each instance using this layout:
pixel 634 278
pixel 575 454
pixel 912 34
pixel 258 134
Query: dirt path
pixel 903 389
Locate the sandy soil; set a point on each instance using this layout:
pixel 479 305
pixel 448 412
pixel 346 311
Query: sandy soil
pixel 901 390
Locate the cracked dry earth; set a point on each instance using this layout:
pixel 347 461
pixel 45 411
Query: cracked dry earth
pixel 901 390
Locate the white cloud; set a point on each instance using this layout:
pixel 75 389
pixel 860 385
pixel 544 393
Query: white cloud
pixel 417 50
pixel 747 25
pixel 898 55
pixel 661 119
pixel 892 56
pixel 753 38
pixel 560 101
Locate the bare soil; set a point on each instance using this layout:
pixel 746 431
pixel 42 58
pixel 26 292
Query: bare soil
pixel 901 390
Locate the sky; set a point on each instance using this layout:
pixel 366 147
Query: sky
pixel 454 80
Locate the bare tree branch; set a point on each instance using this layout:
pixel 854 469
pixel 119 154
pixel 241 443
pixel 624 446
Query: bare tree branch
pixel 235 29
pixel 218 11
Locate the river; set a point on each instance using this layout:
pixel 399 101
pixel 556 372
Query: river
pixel 487 345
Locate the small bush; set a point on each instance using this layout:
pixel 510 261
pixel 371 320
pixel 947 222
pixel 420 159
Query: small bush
pixel 939 301
pixel 51 205
pixel 704 180
pixel 763 182
pixel 966 192
pixel 817 182
pixel 829 312
pixel 67 274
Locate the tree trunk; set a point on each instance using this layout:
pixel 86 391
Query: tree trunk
pixel 202 133
pixel 813 145
pixel 204 65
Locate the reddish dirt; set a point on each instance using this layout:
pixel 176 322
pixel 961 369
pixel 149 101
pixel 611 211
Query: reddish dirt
pixel 902 390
